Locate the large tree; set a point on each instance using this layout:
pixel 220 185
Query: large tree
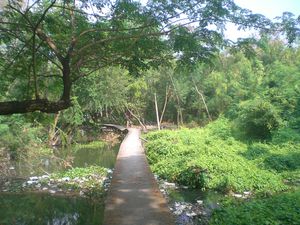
pixel 49 45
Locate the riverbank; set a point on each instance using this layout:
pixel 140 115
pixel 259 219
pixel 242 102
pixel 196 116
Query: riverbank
pixel 86 182
pixel 248 176
pixel 69 186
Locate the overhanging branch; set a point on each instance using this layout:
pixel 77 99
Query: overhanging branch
pixel 43 105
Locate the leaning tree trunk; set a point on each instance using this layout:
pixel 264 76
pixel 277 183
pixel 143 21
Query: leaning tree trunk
pixel 156 110
pixel 165 105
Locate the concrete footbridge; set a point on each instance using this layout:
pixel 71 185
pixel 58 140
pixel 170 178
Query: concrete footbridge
pixel 134 197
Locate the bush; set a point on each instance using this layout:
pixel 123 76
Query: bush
pixel 17 135
pixel 209 158
pixel 280 162
pixel 279 209
pixel 220 128
pixel 282 159
pixel 256 150
pixel 286 134
pixel 81 172
pixel 257 119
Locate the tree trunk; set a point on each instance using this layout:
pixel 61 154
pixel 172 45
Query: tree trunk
pixel 165 105
pixel 156 110
pixel 66 80
pixel 52 129
pixel 179 111
pixel 138 119
pixel 43 105
pixel 203 100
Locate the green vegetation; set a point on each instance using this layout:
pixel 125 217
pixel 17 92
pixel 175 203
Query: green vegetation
pixel 88 180
pixel 211 158
pixel 81 172
pixel 90 145
pixel 278 209
pixel 65 71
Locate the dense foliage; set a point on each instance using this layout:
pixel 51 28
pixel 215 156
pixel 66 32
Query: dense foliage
pixel 81 172
pixel 47 45
pixel 260 93
pixel 211 158
pixel 84 63
pixel 279 209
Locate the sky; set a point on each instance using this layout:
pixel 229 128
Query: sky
pixel 271 8
pixel 268 8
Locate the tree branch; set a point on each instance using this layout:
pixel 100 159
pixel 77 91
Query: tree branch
pixel 50 43
pixel 25 106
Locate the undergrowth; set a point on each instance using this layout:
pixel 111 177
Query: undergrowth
pixel 282 208
pixel 80 172
pixel 211 158
pixel 91 145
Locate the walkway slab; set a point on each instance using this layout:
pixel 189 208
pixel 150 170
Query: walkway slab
pixel 134 197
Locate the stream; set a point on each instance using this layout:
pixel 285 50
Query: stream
pixel 190 206
pixel 83 157
pixel 46 209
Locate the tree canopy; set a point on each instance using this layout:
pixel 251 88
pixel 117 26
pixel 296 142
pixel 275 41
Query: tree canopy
pixel 48 45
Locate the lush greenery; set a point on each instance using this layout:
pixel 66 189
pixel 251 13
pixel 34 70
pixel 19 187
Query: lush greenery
pixel 215 157
pixel 81 172
pixel 88 181
pixel 40 63
pixel 253 81
pixel 211 158
pixel 69 66
pixel 278 209
pixel 90 145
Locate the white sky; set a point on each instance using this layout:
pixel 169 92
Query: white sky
pixel 271 8
pixel 268 8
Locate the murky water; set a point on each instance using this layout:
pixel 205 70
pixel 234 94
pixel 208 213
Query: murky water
pixel 65 158
pixel 209 198
pixel 105 157
pixel 43 209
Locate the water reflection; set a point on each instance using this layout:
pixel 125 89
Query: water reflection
pixel 43 209
pixel 65 158
pixel 210 198
pixel 105 157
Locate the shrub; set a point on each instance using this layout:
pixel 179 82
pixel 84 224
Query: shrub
pixel 256 150
pixel 286 134
pixel 257 119
pixel 220 128
pixel 210 158
pixel 280 162
pixel 279 209
pixel 81 172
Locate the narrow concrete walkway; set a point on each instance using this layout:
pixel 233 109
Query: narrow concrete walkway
pixel 134 197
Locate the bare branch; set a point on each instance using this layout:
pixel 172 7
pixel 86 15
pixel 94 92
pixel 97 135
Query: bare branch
pixel 50 43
